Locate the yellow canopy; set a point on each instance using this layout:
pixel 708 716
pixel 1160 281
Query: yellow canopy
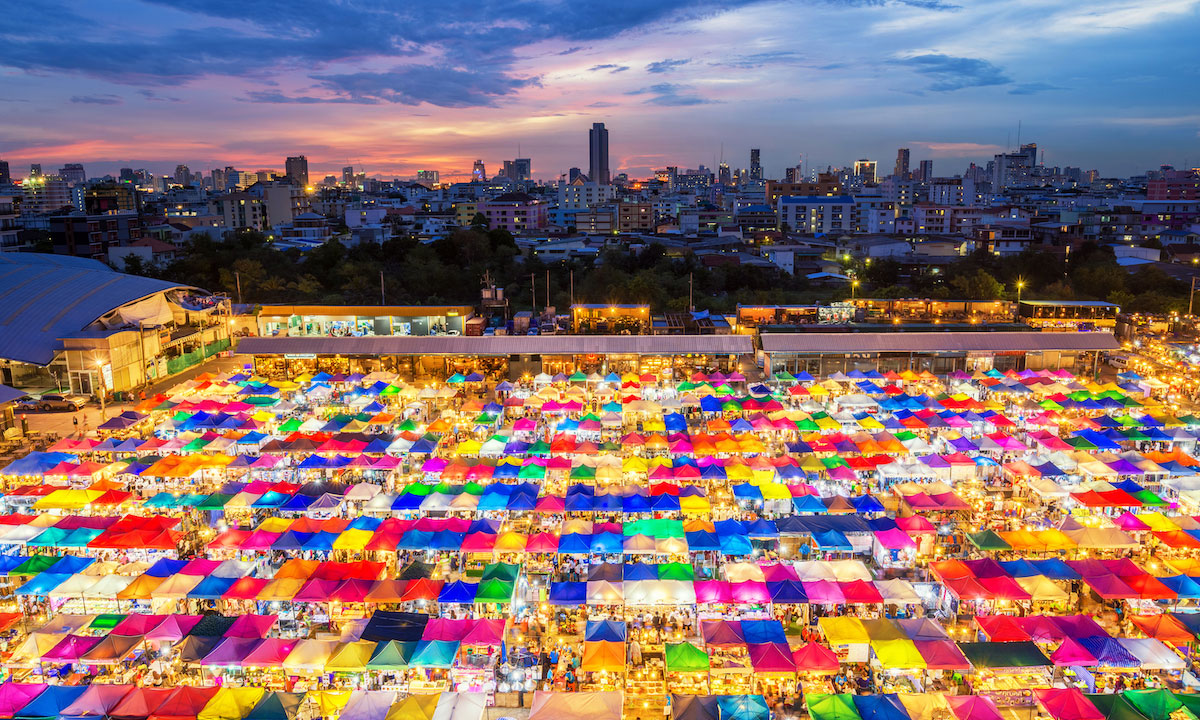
pixel 311 656
pixel 231 703
pixel 354 540
pixel 843 630
pixel 414 707
pixel 350 657
pixel 898 654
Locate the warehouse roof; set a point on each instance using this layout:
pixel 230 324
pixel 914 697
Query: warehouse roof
pixel 47 297
pixel 927 342
pixel 501 345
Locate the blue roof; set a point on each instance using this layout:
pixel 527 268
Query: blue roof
pixel 48 297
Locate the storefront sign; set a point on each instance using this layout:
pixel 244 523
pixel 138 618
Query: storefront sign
pixel 1011 698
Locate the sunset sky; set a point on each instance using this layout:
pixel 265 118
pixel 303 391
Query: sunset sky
pixel 393 88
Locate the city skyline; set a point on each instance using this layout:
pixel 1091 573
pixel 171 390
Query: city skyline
pixel 392 92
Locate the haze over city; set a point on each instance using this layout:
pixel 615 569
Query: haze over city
pixel 398 88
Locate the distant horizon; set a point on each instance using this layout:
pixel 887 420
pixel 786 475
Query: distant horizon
pixel 393 89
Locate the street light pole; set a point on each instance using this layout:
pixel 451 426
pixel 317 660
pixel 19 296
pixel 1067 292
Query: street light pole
pixel 1020 286
pixel 103 391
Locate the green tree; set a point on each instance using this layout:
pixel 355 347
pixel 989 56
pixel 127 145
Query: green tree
pixel 978 286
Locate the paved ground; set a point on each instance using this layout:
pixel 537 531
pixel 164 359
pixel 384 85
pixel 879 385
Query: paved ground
pixel 62 423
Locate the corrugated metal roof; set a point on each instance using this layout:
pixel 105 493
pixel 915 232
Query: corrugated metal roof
pixel 371 310
pixel 815 343
pixel 502 345
pixel 47 297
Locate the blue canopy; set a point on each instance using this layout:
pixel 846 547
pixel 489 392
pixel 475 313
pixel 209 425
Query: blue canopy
pixel 604 631
pixel 567 593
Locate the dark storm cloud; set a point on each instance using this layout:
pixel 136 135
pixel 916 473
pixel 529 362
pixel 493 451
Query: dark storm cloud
pixel 951 73
pixel 271 36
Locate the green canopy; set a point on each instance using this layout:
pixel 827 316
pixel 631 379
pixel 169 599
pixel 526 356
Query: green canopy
pixel 1154 704
pixel 472 488
pixel 292 425
pixel 391 655
pixel 583 472
pixel 1114 707
pixel 807 425
pixel 390 390
pixel 1004 654
pixel 541 447
pixel 417 489
pixel 655 527
pixel 1191 703
pixel 35 565
pixel 509 572
pixel 107 621
pixel 676 571
pixel 988 540
pixel 1146 497
pixel 495 591
pixel 216 501
pixel 685 657
pixel 408 425
pixel 577 376
pixel 532 472
pixel 832 707
pixel 277 706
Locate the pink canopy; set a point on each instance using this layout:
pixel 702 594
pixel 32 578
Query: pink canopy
pixel 749 592
pixel 486 631
pixel 137 624
pixel 174 627
pixel 812 657
pixel 771 658
pixel 895 539
pixel 973 707
pixel 712 592
pixel 824 592
pixel 251 626
pixel 1072 653
pixel 15 696
pixel 1067 704
pixel 70 648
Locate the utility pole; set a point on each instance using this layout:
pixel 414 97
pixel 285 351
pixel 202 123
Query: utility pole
pixel 572 288
pixel 238 278
pixel 691 304
pixel 547 289
pixel 382 292
pixel 1191 294
pixel 533 292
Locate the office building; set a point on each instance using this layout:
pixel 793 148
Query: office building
pixel 1013 168
pixel 5 173
pixel 756 171
pixel 296 167
pixel 518 170
pixel 926 171
pixel 428 177
pixel 73 174
pixel 478 172
pixel 348 175
pixel 901 170
pixel 864 170
pixel 598 171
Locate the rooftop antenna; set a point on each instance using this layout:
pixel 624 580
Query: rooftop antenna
pixel 1018 134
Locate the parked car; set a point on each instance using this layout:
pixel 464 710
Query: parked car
pixel 54 401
